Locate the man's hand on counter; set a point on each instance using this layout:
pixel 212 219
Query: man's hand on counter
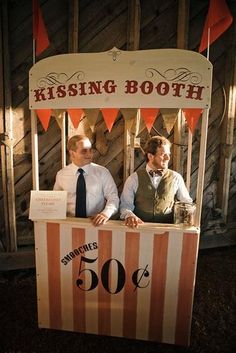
pixel 99 219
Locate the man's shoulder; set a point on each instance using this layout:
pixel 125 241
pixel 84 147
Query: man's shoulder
pixel 97 166
pixel 176 174
pixel 68 169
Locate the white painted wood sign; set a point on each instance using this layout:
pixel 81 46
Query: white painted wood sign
pixel 159 78
pixel 47 204
pixel 114 281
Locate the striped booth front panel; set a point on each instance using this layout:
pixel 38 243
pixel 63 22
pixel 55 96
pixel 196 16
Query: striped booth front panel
pixel 117 282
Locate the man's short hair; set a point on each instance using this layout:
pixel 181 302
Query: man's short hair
pixel 153 144
pixel 71 144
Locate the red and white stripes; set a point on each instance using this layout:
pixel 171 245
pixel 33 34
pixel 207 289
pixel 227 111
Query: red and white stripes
pixel 115 281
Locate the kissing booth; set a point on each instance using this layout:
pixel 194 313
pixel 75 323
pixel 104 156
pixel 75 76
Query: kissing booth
pixel 112 280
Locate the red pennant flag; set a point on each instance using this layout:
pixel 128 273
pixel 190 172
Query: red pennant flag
pixel 218 21
pixel 44 117
pixel 39 30
pixel 192 116
pixel 109 115
pixel 75 116
pixel 149 116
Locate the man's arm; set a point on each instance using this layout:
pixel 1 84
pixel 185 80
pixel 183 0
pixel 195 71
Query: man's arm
pixel 111 197
pixel 127 202
pixel 182 192
pixel 56 186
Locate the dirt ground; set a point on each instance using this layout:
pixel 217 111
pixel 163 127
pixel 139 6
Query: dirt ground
pixel 213 323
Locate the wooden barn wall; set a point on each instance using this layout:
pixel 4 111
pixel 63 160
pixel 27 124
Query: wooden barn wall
pixel 103 25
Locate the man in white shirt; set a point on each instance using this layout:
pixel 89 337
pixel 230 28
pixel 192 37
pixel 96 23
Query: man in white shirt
pixel 101 197
pixel 149 195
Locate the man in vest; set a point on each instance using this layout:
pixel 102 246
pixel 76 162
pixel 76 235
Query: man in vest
pixel 149 194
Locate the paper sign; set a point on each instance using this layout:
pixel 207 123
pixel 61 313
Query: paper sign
pixel 48 204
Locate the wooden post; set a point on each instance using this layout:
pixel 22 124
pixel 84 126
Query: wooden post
pixel 201 167
pixel 182 43
pixel 2 137
pixel 133 35
pixel 8 141
pixel 73 30
pixel 227 129
pixel 63 141
pixel 73 47
pixel 189 160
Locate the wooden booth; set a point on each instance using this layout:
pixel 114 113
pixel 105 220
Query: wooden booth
pixel 112 280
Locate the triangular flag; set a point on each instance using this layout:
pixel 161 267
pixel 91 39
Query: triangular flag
pixel 39 30
pixel 218 21
pixel 109 115
pixel 59 116
pixel 169 116
pixel 149 116
pixel 192 115
pixel 44 117
pixel 129 115
pixel 101 142
pixel 75 116
pixel 92 116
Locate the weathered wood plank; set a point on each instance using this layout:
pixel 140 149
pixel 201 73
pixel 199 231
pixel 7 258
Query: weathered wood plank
pixel 227 131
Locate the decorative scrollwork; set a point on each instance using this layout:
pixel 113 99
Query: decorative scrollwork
pixel 54 78
pixel 181 74
pixel 114 53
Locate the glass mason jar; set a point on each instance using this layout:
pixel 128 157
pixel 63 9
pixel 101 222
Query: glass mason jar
pixel 184 213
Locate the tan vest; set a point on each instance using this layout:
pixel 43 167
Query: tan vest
pixel 150 203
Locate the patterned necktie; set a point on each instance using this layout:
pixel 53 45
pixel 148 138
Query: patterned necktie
pixel 80 207
pixel 158 172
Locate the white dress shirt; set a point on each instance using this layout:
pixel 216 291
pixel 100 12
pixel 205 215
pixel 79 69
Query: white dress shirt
pixel 101 190
pixel 131 186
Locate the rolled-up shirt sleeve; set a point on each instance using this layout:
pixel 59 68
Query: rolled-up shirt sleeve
pixel 128 196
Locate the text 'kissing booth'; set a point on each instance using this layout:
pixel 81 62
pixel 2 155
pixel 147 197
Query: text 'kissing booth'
pixel 112 280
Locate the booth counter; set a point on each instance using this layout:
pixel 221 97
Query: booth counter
pixel 116 281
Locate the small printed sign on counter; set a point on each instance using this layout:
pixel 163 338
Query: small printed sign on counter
pixel 47 204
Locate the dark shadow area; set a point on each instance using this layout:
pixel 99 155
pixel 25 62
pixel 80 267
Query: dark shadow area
pixel 213 323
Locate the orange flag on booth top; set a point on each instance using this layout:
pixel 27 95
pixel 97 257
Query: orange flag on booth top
pixel 109 115
pixel 192 115
pixel 218 21
pixel 44 116
pixel 149 116
pixel 75 116
pixel 39 30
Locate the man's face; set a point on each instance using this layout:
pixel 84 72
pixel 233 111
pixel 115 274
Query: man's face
pixel 83 154
pixel 161 159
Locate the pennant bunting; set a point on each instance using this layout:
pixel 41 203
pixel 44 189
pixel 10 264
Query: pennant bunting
pixel 218 21
pixel 101 142
pixel 192 116
pixel 92 116
pixel 169 116
pixel 39 30
pixel 129 115
pixel 149 116
pixel 59 116
pixel 109 115
pixel 75 116
pixel 44 116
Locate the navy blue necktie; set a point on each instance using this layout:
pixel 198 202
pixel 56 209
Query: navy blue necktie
pixel 80 207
